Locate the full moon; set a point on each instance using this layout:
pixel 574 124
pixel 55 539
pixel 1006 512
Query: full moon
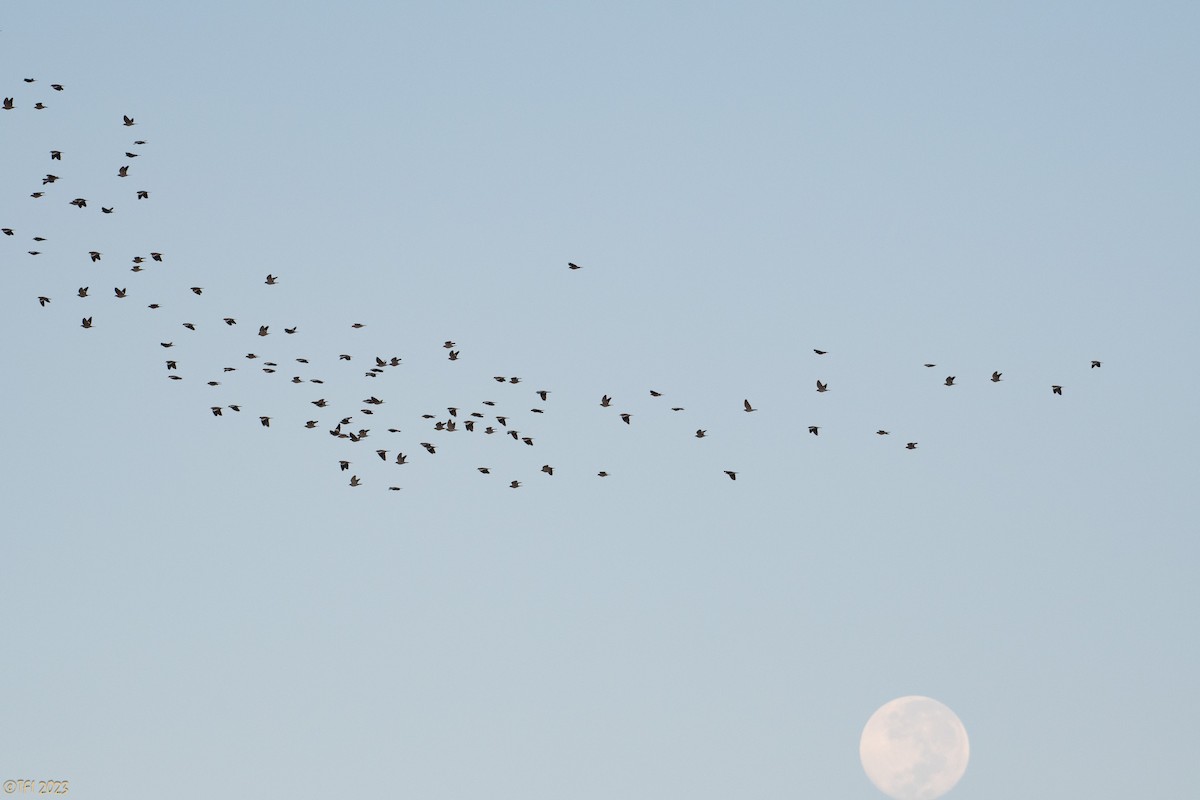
pixel 914 748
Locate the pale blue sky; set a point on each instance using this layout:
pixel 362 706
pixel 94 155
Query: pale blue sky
pixel 198 607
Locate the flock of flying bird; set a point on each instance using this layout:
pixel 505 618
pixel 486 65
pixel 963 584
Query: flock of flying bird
pixel 484 419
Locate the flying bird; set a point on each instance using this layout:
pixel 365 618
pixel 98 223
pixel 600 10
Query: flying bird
pixel 271 280
pixel 79 202
pixel 949 380
pixel 572 266
pixel 911 446
pixel 996 377
pixel 1095 364
pixel 354 481
pixel 700 434
pixel 143 194
pixel 732 475
pixel 820 352
pixel 1056 389
pixel 748 407
pixel 42 300
pixel 266 421
pixel 546 468
pixel 625 418
pixel 605 401
pixel 83 290
pixel 882 432
pixel 262 330
pixel 95 254
pixel 87 322
pixel 128 120
pixel 814 430
pixel 514 485
pixel 822 387
pixel 123 172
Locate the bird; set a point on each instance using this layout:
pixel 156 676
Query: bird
pixel 546 468
pixel 700 434
pixel 911 446
pixel 454 355
pixel 87 322
pixel 156 256
pixel 605 401
pixel 271 280
pixel 748 407
pixel 319 403
pixel 503 421
pixel 95 254
pixel 820 352
pixel 266 421
pixel 931 365
pixel 345 465
pixel 289 330
pixel 949 380
pixel 354 481
pixel 216 410
pixel 732 475
pixel 128 120
pixel 814 430
pixel 8 104
pixel 106 210
pixel 382 454
pixel 42 300
pixel 79 202
pixel 344 356
pixel 625 418
pixel 996 377
pixel 7 231
pixel 39 106
pixel 120 292
pixel 449 344
pixel 527 440
pixel 655 394
pixel 602 474
pixel 1056 389
pixel 83 290
pixel 123 172
pixel 143 194
pixel 429 447
pixel 484 470
pixel 312 423
pixel 571 265
pixel 514 485
pixel 542 393
pixel 394 488
pixel 56 155
pixel 262 330
pixel 49 179
pixel 197 290
pixel 882 432
pixel 822 387
pixel 358 325
pixel 56 87
pixel 514 380
pixel 230 321
pixel 1095 364
pixel 167 344
pixel 36 195
pixel 130 155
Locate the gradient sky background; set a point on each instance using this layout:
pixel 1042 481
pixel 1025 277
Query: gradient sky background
pixel 198 607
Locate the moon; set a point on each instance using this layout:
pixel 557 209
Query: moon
pixel 914 748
